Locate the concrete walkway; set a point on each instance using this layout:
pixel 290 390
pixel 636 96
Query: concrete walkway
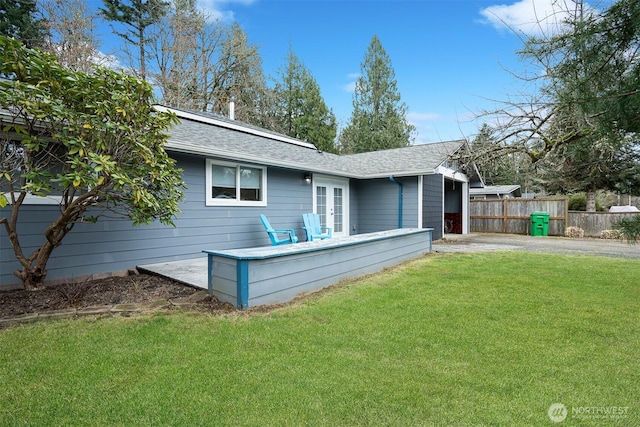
pixel 478 242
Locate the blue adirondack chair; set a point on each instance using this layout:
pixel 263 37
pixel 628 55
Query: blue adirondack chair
pixel 313 228
pixel 274 234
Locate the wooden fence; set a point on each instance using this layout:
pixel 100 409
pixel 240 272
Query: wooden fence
pixel 593 223
pixel 514 215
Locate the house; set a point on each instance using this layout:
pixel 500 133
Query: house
pixel 235 172
pixel 493 192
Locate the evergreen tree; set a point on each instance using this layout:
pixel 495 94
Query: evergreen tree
pixel 378 120
pixel 580 126
pixel 18 20
pixel 596 98
pixel 302 112
pixel 93 140
pixel 138 16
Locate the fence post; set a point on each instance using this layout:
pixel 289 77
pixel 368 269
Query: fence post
pixel 505 215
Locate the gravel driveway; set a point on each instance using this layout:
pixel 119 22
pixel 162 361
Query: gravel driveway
pixel 482 242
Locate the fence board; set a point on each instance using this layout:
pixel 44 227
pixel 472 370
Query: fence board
pixel 514 215
pixel 593 223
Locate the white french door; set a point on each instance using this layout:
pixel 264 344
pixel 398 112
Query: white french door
pixel 331 203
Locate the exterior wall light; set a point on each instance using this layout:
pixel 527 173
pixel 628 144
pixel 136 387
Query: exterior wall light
pixel 307 178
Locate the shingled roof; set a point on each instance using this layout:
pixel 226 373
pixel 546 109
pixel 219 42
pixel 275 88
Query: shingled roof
pixel 213 136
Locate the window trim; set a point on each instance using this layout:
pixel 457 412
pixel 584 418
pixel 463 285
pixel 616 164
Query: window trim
pixel 32 199
pixel 210 201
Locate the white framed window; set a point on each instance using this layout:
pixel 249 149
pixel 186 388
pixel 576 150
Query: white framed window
pixel 234 184
pixel 32 199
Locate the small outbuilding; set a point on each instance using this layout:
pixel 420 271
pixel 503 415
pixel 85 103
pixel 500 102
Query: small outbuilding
pixel 493 192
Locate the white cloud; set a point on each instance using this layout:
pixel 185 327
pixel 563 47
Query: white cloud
pixel 351 86
pixel 219 9
pixel 108 61
pixel 530 17
pixel 426 131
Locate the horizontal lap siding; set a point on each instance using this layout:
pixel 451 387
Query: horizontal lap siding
pixel 354 207
pixel 432 200
pixel 281 279
pixel 224 274
pixel 115 244
pixel 377 202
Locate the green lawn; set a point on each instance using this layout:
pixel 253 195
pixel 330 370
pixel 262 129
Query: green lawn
pixel 492 338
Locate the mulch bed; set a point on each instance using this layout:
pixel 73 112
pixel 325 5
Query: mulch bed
pixel 135 289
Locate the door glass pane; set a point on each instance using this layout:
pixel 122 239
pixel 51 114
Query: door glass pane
pixel 337 210
pixel 321 204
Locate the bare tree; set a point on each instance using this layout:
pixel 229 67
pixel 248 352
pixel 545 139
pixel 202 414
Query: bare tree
pixel 203 65
pixel 175 54
pixel 581 118
pixel 71 30
pixel 139 17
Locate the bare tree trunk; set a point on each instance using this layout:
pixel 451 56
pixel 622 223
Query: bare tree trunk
pixel 34 267
pixel 591 199
pixel 34 273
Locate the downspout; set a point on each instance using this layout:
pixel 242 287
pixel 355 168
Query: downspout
pixel 392 179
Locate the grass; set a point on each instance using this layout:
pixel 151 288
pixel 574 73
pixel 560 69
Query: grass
pixel 490 339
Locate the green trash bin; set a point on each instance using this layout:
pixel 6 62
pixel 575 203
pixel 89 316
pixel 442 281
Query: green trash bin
pixel 539 223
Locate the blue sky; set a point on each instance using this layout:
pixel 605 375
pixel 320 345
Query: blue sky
pixel 452 58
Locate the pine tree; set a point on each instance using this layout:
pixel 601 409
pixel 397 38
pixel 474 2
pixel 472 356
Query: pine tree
pixel 138 16
pixel 378 120
pixel 18 20
pixel 302 112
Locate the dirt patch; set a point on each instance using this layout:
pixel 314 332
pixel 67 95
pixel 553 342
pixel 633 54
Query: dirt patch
pixel 138 289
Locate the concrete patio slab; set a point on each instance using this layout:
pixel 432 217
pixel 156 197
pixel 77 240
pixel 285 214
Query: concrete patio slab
pixel 192 272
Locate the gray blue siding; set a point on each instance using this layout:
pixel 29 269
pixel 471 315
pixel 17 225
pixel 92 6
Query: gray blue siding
pixel 432 200
pixel 250 277
pixel 114 244
pixel 377 202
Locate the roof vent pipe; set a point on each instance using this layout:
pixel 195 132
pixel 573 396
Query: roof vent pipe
pixel 392 179
pixel 232 109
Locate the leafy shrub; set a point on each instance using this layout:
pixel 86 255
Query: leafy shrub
pixel 630 228
pixel 578 202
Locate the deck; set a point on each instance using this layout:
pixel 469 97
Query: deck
pixel 275 274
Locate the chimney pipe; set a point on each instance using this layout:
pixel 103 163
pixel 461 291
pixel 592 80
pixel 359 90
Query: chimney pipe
pixel 232 110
